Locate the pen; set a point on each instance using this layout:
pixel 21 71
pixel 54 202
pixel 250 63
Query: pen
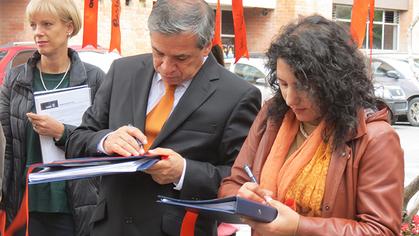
pixel 136 139
pixel 252 177
pixel 249 173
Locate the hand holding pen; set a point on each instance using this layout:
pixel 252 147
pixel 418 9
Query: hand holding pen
pixel 249 173
pixel 123 142
pixel 139 142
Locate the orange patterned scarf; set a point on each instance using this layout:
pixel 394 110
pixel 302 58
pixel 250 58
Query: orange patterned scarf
pixel 301 177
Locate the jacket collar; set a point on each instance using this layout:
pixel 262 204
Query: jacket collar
pixel 78 74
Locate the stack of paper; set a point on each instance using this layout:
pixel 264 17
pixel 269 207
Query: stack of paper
pixel 90 167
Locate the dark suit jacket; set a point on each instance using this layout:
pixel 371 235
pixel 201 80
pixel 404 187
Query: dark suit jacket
pixel 207 127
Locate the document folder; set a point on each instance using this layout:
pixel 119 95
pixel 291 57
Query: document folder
pixel 228 210
pixel 78 168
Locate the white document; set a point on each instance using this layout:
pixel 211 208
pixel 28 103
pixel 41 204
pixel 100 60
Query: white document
pixel 67 106
pixel 48 175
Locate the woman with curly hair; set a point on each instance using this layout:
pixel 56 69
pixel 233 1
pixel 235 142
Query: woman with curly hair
pixel 325 156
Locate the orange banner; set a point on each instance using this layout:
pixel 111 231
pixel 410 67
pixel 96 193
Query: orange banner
pixel 217 30
pixel 2 222
pixel 188 224
pixel 90 23
pixel 359 20
pixel 115 27
pixel 240 41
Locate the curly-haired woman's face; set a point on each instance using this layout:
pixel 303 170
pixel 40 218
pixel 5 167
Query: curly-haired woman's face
pixel 297 98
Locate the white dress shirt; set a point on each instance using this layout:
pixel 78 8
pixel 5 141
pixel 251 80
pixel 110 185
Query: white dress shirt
pixel 157 91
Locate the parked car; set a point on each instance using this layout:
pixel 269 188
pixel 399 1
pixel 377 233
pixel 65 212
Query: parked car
pixel 394 98
pixel 398 72
pixel 14 54
pixel 254 71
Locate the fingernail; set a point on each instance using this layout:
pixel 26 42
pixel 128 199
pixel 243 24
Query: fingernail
pixel 268 199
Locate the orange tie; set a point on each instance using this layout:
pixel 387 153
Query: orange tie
pixel 158 115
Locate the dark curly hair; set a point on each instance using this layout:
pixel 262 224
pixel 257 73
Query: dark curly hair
pixel 327 64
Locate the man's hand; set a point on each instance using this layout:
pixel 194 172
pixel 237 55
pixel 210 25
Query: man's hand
pixel 125 141
pixel 168 170
pixel 46 125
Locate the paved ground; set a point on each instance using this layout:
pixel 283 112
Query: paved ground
pixel 409 139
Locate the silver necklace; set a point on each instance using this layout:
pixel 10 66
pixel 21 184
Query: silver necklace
pixel 61 81
pixel 303 132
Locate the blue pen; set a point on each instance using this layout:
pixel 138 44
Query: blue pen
pixel 249 173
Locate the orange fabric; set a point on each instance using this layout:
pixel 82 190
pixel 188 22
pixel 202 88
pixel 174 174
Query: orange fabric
pixel 188 224
pixel 157 117
pixel 115 27
pixel 240 41
pixel 279 172
pixel 22 216
pixel 307 190
pixel 90 23
pixel 217 30
pixel 2 222
pixel 359 20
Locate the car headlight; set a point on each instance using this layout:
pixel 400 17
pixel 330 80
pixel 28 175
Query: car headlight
pixel 389 92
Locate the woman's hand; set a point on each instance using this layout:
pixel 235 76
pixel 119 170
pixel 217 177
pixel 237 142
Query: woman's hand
pixel 46 125
pixel 286 222
pixel 252 191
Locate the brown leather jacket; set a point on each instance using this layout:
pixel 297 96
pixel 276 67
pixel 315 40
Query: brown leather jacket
pixel 364 189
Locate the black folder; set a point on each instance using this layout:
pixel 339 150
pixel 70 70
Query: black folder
pixel 228 210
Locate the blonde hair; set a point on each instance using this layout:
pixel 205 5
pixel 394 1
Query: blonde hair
pixel 65 10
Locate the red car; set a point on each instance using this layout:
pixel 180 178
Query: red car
pixel 14 54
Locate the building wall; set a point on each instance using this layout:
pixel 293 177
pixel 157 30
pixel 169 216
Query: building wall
pixel 133 20
pixel 12 21
pixel 415 32
pixel 262 24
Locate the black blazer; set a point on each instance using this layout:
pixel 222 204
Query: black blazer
pixel 207 127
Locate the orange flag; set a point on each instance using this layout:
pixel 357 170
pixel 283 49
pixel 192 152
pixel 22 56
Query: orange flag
pixel 359 20
pixel 90 23
pixel 240 42
pixel 115 27
pixel 2 222
pixel 217 30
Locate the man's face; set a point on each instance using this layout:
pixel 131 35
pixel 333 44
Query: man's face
pixel 176 57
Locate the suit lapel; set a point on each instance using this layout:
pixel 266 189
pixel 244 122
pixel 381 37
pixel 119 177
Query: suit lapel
pixel 199 90
pixel 140 91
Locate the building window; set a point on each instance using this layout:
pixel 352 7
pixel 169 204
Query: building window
pixel 227 33
pixel 385 26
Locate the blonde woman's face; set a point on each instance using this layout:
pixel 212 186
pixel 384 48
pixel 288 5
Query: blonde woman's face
pixel 50 33
pixel 296 98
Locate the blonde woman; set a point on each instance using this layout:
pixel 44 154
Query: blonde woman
pixel 52 66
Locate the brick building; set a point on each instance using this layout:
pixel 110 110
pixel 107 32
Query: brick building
pixel 263 20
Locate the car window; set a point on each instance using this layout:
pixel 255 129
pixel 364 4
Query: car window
pixel 2 54
pixel 248 72
pixel 21 57
pixel 381 68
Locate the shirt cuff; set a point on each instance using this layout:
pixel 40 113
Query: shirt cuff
pixel 100 147
pixel 178 186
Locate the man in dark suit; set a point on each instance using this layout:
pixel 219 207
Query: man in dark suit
pixel 211 113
